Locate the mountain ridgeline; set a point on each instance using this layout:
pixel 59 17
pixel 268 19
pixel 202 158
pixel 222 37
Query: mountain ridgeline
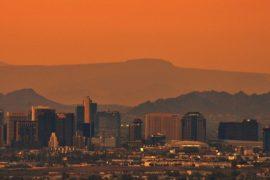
pixel 210 102
pixel 126 83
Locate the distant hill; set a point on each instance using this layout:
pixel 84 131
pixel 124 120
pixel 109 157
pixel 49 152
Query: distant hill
pixel 216 107
pixel 210 102
pixel 127 83
pixel 22 100
pixel 3 63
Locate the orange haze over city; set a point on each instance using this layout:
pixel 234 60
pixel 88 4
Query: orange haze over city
pixel 231 35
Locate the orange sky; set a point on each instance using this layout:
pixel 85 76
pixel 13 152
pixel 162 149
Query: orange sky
pixel 211 34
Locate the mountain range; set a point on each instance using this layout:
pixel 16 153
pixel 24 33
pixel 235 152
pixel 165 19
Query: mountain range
pixel 125 83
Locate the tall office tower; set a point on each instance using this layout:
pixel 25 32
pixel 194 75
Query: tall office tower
pixel 79 115
pixel 108 124
pixel 65 128
pixel 26 134
pixel 124 133
pixel 162 123
pixel 193 127
pixel 1 117
pixel 266 140
pixel 250 130
pixel 46 119
pixel 136 130
pixel 12 119
pixel 2 124
pixel 90 113
pixel 247 130
pixel 53 141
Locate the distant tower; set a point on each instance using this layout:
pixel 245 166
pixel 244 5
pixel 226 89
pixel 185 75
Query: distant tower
pixel 46 119
pixel 162 123
pixel 12 119
pixel 108 125
pixel 266 140
pixel 135 132
pixel 194 127
pixel 90 113
pixel 53 142
pixel 2 123
pixel 65 128
pixel 79 115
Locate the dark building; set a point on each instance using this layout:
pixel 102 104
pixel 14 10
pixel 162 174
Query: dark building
pixel 250 130
pixel 26 134
pixel 65 128
pixel 108 125
pixel 124 133
pixel 2 125
pixel 12 119
pixel 247 130
pixel 230 131
pixel 135 131
pixel 1 117
pixel 85 130
pixel 79 113
pixel 266 140
pixel 46 119
pixel 193 127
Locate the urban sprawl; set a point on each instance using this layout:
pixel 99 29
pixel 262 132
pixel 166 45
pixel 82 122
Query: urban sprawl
pixel 43 143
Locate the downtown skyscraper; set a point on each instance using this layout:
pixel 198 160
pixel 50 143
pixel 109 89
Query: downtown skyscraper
pixel 193 127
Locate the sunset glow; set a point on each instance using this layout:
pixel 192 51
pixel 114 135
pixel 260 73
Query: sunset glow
pixel 226 34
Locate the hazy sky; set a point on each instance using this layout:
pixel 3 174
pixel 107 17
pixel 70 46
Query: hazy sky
pixel 211 34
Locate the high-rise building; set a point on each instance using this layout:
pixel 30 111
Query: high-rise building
pixel 46 119
pixel 162 123
pixel 65 128
pixel 26 134
pixel 124 133
pixel 250 130
pixel 135 131
pixel 90 114
pixel 193 127
pixel 1 117
pixel 79 115
pixel 2 125
pixel 247 130
pixel 108 125
pixel 12 119
pixel 90 110
pixel 266 140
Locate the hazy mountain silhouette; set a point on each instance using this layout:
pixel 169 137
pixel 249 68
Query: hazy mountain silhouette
pixel 210 102
pixel 127 83
pixel 22 100
pixel 2 63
